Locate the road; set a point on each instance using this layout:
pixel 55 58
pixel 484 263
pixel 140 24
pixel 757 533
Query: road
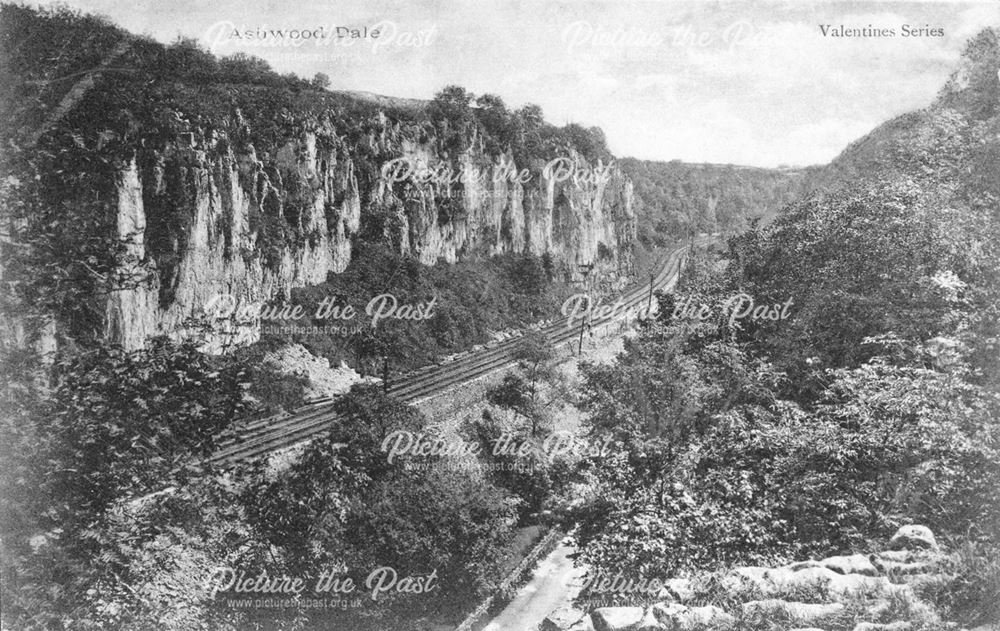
pixel 554 583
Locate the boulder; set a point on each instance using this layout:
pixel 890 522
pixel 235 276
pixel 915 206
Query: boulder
pixel 561 619
pixel 616 618
pixel 774 610
pixel 680 589
pixel 913 537
pixel 787 581
pixel 809 582
pixel 677 617
pixel 852 564
pixel 669 615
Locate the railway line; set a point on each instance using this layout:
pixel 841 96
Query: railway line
pixel 264 436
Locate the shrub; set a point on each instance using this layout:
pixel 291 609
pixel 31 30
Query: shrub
pixel 342 502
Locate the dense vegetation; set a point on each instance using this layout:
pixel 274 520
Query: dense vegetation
pixel 874 404
pixel 676 199
pixel 86 546
pixel 472 299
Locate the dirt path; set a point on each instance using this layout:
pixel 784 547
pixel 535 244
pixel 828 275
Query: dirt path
pixel 555 583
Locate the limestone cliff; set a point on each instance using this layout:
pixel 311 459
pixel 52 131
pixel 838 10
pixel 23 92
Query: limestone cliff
pixel 205 214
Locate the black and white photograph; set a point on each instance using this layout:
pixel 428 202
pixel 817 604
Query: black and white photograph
pixel 500 315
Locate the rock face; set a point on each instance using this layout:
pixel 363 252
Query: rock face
pixel 207 216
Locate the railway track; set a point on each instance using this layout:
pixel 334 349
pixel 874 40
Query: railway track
pixel 263 436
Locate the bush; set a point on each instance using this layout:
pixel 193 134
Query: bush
pixel 342 502
pixel 117 426
pixel 761 481
pixel 970 598
pixel 474 299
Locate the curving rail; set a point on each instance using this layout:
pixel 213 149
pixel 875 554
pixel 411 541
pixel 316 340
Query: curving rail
pixel 266 435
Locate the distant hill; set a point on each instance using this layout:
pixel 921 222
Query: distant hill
pixel 675 197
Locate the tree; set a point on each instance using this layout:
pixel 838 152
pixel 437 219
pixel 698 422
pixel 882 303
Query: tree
pixel 117 426
pixel 450 110
pixel 320 81
pixel 495 118
pixel 521 393
pixel 343 502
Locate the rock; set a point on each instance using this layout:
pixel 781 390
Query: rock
pixel 900 625
pixel 680 589
pixel 323 380
pixel 785 581
pixel 802 565
pixel 320 181
pixel 648 622
pixel 750 578
pixel 584 624
pixel 852 564
pixel 808 582
pixel 561 619
pixel 774 610
pixel 845 586
pixel 616 618
pixel 921 582
pixel 710 615
pixel 895 556
pixel 822 582
pixel 899 569
pixel 677 617
pixel 669 615
pixel 902 562
pixel 913 538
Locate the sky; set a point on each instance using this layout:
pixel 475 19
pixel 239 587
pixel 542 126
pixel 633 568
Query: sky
pixel 748 82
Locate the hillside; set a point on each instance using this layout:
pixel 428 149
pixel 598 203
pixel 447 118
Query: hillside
pixel 172 176
pixel 674 198
pixel 844 386
pixel 926 179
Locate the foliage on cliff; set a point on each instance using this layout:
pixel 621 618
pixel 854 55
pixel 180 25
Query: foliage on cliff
pixel 471 300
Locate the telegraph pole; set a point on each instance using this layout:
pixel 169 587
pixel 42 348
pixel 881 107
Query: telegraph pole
pixel 585 270
pixel 649 303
